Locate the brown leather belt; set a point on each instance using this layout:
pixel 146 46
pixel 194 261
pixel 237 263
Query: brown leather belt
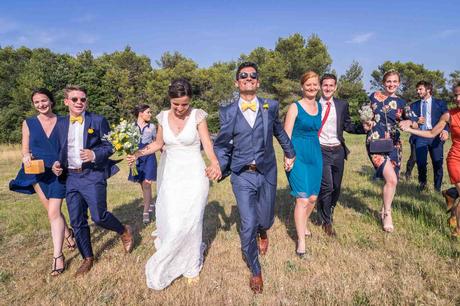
pixel 251 167
pixel 78 170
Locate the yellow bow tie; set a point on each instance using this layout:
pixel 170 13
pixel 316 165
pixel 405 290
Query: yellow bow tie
pixel 78 119
pixel 251 105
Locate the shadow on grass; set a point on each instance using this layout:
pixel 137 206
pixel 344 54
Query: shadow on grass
pixel 215 219
pixel 128 213
pixel 426 206
pixel 284 210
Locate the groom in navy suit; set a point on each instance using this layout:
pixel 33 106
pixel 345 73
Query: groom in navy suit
pixel 244 148
pixel 429 110
pixel 84 161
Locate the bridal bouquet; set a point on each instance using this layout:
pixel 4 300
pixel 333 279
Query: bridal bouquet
pixel 366 113
pixel 125 138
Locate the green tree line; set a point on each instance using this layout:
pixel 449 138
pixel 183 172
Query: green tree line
pixel 118 81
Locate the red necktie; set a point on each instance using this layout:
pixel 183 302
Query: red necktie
pixel 328 109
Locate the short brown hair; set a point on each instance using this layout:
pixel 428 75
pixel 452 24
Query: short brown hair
pixel 389 73
pixel 427 85
pixel 70 88
pixel 308 75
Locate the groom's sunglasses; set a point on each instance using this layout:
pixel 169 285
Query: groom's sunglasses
pixel 245 75
pixel 75 100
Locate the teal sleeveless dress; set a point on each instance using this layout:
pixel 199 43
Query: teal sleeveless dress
pixel 305 177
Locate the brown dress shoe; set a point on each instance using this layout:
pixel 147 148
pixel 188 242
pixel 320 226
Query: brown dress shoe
pixel 449 200
pixel 263 243
pixel 257 284
pixel 127 239
pixel 329 230
pixel 86 265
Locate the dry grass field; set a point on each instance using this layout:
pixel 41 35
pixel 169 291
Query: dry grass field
pixel 418 264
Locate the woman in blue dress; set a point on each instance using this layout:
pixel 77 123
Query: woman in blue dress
pixel 303 122
pixel 40 141
pixel 146 165
pixel 388 110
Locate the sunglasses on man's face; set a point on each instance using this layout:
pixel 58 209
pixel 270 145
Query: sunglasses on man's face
pixel 245 75
pixel 75 100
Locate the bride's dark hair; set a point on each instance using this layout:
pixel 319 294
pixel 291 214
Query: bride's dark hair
pixel 179 88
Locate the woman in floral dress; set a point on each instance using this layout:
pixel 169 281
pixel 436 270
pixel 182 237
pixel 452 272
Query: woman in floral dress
pixel 388 110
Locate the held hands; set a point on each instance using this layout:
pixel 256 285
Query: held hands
pixel 288 163
pixel 444 135
pixel 421 120
pixel 57 170
pixel 368 125
pixel 405 125
pixel 213 171
pixel 87 155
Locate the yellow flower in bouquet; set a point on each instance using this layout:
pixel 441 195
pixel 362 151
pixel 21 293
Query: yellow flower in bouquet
pixel 125 138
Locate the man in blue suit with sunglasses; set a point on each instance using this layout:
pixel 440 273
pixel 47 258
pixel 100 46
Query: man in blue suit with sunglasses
pixel 244 148
pixel 84 162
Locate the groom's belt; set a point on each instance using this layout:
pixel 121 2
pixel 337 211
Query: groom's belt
pixel 80 170
pixel 251 167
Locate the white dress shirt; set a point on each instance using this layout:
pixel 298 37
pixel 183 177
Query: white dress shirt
pixel 75 143
pixel 429 101
pixel 249 114
pixel 328 136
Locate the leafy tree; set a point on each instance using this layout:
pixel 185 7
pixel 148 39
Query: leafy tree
pixel 350 87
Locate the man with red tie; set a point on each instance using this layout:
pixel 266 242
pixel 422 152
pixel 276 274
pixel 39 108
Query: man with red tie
pixel 335 118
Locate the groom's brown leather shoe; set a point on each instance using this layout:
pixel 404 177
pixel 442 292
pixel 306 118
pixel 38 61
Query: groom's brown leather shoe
pixel 263 243
pixel 257 284
pixel 127 239
pixel 329 230
pixel 85 266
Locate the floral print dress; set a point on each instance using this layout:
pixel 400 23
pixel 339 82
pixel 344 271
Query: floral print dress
pixel 396 110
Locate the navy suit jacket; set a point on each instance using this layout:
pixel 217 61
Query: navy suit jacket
pixel 438 108
pixel 344 123
pixel 95 128
pixel 223 145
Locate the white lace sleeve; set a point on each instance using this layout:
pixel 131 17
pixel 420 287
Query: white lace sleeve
pixel 200 116
pixel 160 117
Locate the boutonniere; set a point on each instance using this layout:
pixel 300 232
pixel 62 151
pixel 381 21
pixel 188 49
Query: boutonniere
pixel 265 105
pixel 90 131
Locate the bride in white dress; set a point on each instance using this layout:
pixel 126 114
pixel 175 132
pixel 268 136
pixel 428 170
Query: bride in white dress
pixel 183 184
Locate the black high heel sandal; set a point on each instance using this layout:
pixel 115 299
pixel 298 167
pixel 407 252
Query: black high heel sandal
pixel 56 272
pixel 71 246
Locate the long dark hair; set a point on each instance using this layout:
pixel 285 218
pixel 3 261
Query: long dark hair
pixel 45 92
pixel 140 109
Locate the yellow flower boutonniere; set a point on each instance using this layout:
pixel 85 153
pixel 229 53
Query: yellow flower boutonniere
pixel 265 106
pixel 90 131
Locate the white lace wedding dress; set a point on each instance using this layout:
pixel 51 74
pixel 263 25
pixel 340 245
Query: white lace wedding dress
pixel 182 195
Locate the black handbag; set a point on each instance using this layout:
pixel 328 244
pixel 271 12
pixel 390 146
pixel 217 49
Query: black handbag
pixel 381 146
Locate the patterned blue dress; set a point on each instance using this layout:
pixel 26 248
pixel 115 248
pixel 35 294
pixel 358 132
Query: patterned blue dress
pixel 305 177
pixel 146 165
pixel 396 110
pixel 44 148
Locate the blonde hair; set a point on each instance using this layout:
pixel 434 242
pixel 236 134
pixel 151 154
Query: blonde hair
pixel 390 73
pixel 308 75
pixel 70 88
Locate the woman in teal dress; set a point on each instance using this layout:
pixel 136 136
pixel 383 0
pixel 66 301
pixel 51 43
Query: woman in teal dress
pixel 40 141
pixel 303 122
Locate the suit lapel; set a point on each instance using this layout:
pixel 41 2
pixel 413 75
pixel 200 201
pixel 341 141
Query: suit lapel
pixel 264 117
pixel 338 114
pixel 64 139
pixel 85 129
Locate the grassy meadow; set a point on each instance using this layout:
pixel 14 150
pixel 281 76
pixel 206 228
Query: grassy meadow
pixel 417 264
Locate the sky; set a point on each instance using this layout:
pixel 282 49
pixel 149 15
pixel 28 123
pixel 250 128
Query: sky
pixel 370 32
